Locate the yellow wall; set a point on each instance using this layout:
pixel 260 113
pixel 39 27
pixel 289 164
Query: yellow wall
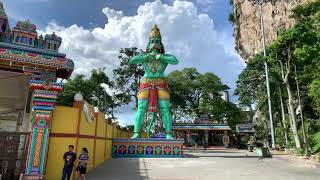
pixel 87 128
pixel 65 123
pixel 64 120
pixel 109 131
pixel 124 134
pixel 114 132
pixel 144 135
pixel 88 143
pixel 108 149
pixel 58 146
pixel 99 151
pixel 101 127
pixel 130 134
pixel 55 162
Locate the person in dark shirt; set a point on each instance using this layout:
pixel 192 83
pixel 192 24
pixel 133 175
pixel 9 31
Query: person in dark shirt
pixel 238 142
pixel 69 157
pixel 82 164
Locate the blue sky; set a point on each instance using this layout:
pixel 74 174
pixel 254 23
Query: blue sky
pixel 93 31
pixel 87 13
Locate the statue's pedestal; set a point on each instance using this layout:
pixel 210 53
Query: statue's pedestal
pixel 147 147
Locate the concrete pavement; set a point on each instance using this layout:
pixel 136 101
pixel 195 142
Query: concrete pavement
pixel 209 165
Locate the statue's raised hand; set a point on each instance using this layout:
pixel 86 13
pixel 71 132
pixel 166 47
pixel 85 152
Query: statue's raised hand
pixel 149 57
pixel 140 58
pixel 159 57
pixel 167 58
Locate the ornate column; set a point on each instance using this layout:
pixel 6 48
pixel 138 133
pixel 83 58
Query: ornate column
pixel 43 101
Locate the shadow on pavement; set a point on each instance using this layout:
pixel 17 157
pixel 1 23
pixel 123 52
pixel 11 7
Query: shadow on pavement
pixel 221 156
pixel 122 169
pixel 190 156
pixel 210 151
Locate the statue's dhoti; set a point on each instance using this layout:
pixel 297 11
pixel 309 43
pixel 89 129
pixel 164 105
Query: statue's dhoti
pixel 154 89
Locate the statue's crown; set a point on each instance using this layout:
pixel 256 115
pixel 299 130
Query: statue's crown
pixel 155 32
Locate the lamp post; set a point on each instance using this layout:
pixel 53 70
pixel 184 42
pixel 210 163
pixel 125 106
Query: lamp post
pixel 260 3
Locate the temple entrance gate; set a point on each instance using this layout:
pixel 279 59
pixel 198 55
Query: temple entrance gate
pixel 14 123
pixel 31 73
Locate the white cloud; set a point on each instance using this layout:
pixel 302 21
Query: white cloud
pixel 112 14
pixel 186 33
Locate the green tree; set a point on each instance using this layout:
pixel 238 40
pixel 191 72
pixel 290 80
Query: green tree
pixel 181 84
pixel 314 92
pixel 190 90
pixel 297 46
pixel 91 90
pixel 281 51
pixel 293 60
pixel 231 18
pixel 127 76
pixel 194 94
pixel 250 82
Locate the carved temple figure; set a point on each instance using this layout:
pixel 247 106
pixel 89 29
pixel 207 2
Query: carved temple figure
pixel 154 91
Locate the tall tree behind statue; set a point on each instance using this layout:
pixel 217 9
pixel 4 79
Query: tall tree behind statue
pixel 127 76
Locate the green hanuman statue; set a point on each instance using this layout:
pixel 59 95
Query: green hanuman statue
pixel 154 91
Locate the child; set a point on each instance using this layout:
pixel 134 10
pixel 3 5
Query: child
pixel 82 164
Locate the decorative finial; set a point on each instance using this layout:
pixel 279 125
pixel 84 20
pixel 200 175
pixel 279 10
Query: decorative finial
pixel 155 32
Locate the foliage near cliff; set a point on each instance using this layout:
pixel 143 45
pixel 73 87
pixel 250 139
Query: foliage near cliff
pixel 293 60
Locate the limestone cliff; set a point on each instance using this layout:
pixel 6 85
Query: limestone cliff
pixel 247 23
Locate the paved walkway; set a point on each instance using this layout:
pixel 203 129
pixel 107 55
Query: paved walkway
pixel 209 165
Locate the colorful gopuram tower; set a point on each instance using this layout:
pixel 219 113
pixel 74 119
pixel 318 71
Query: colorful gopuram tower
pixel 37 58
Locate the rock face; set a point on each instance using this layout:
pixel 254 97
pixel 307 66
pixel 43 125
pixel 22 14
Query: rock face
pixel 247 23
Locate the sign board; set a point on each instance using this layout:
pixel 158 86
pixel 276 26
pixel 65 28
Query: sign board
pixel 205 120
pixel 243 128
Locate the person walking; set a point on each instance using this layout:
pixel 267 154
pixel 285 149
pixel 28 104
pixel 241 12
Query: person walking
pixel 82 164
pixel 69 157
pixel 204 144
pixel 251 143
pixel 238 142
